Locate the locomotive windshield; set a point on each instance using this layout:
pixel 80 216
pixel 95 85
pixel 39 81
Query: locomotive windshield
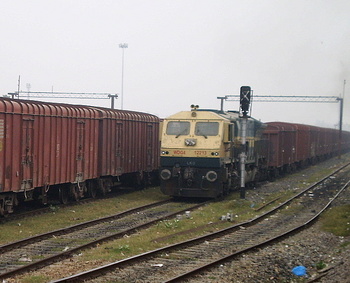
pixel 178 128
pixel 207 129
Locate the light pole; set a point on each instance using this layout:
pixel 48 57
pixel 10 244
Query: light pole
pixel 122 46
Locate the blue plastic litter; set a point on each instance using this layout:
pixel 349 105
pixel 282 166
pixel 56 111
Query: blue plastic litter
pixel 299 270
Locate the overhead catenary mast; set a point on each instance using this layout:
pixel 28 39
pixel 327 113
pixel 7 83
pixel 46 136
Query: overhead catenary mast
pixel 67 95
pixel 296 98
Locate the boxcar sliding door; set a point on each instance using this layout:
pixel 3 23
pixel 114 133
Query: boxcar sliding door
pixel 27 154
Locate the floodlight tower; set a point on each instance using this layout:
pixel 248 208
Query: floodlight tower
pixel 122 46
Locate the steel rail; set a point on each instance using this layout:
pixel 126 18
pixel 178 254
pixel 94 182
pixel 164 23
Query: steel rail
pixel 37 211
pixel 103 269
pixel 260 245
pixel 68 229
pixel 68 253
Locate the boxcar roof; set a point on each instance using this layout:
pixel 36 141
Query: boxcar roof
pixel 32 107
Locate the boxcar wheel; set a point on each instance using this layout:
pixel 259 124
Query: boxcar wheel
pixel 2 211
pixel 75 192
pixel 63 195
pixel 92 189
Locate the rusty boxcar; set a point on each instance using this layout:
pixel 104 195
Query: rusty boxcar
pixel 66 151
pixel 295 145
pixel 43 145
pixel 129 148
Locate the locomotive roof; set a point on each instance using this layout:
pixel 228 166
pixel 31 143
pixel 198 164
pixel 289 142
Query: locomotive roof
pixel 229 115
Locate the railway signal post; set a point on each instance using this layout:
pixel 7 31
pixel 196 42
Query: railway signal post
pixel 245 97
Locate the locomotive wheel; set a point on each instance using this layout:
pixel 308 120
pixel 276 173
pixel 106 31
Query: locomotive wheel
pixel 63 195
pixel 225 189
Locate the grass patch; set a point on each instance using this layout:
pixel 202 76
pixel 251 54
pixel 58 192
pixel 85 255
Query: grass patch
pixel 62 217
pixel 36 279
pixel 345 244
pixel 320 265
pixel 337 220
pixel 201 221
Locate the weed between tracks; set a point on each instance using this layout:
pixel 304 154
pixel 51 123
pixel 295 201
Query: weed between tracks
pixel 337 220
pixel 67 216
pixel 201 221
pixel 36 279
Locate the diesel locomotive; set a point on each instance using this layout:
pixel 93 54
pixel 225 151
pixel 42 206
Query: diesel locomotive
pixel 200 152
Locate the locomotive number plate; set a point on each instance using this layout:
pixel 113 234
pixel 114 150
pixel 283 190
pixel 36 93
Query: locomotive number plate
pixel 200 152
pixel 179 151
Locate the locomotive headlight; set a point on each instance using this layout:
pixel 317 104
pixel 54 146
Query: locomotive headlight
pixel 165 152
pixel 165 174
pixel 215 153
pixel 211 176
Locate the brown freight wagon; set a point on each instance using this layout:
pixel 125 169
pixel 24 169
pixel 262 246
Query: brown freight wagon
pixel 327 142
pixel 129 148
pixel 317 142
pixel 295 145
pixel 65 151
pixel 43 145
pixel 282 141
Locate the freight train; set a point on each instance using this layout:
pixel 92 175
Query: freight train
pixel 52 150
pixel 200 150
pixel 64 152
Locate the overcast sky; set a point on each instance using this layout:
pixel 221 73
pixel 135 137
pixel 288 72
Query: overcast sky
pixel 182 52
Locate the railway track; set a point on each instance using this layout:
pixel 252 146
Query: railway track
pixel 43 249
pixel 184 260
pixel 38 209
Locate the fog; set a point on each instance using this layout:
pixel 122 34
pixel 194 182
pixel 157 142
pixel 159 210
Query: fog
pixel 181 53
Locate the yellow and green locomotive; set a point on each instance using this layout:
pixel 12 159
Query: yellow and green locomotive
pixel 200 152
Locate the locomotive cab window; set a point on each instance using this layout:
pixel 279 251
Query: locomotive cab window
pixel 178 128
pixel 207 129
